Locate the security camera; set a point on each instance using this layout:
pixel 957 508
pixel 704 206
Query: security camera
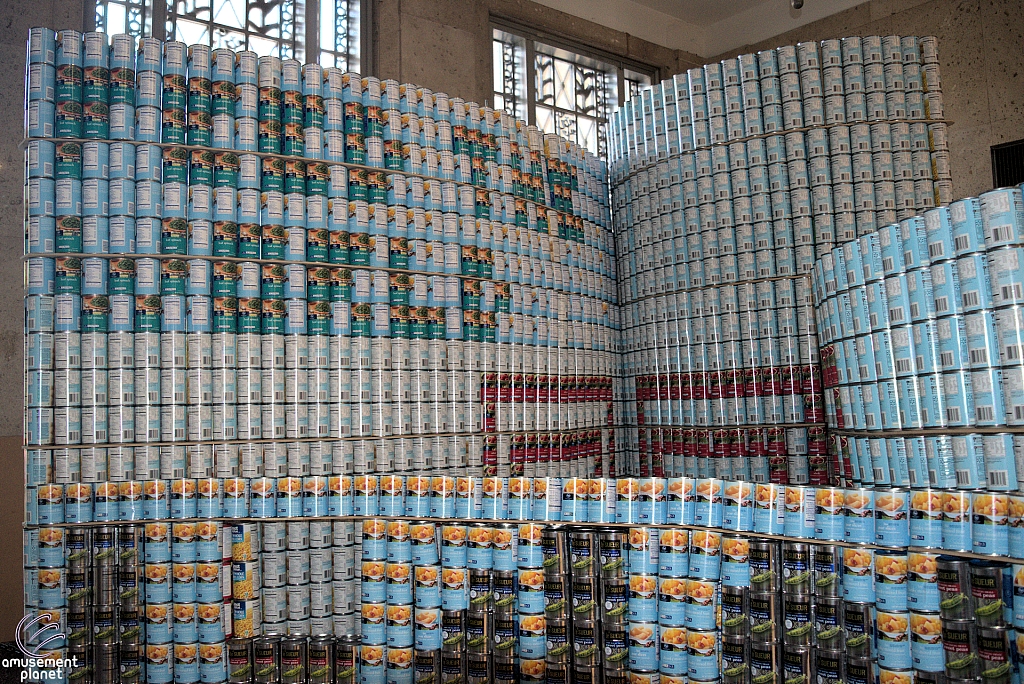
pixel 796 4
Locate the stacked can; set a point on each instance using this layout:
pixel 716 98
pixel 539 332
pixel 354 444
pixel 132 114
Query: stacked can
pixel 530 595
pixel 421 547
pixel 974 617
pixel 455 593
pixel 582 556
pixel 481 647
pixel 560 601
pixel 343 582
pixel 373 606
pixel 69 85
pixel 766 627
pixel 674 601
pixel 642 629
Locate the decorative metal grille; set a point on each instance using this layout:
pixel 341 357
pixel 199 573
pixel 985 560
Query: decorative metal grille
pixel 559 90
pixel 124 16
pixel 574 100
pixel 509 60
pixel 339 34
pixel 267 27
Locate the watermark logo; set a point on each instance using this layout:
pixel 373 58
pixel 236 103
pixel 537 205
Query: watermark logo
pixel 50 631
pixel 38 637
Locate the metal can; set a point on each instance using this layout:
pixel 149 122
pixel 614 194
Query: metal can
pixel 960 648
pixel 987 582
pixel 764 663
pixel 954 585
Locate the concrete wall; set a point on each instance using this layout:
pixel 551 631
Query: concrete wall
pixel 981 53
pixel 446 44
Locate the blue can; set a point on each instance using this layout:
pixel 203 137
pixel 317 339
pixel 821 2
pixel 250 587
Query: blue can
pixel 1002 213
pixel 859 505
pixel 990 523
pixel 893 639
pixel 891 580
pixel 956 521
pixel 892 511
pixel 858 575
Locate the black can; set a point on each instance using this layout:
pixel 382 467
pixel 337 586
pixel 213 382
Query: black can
pixel 481 596
pixel 559 641
pixel 79 588
pixel 105 584
pixel 479 633
pixel 614 601
pixel 427 664
pixel 797 619
pixel 827 570
pixel 131 659
pixel 130 581
pixel 797 665
pixel 453 669
pixel 735 660
pixel 293 660
pixel 796 568
pixel 555 551
pixel 104 546
pixel 764 619
pixel 104 625
pixel 320 660
pixel 613 546
pixel 829 666
pixel 240 661
pixel 79 628
pixel 615 638
pixel 859 628
pixel 952 576
pixel 130 539
pixel 734 611
pixel 860 670
pixel 267 659
pixel 764 566
pixel 78 548
pixel 584 554
pixel 557 673
pixel 586 674
pixel 828 622
pixel 960 648
pixel 105 662
pixel 586 642
pixel 129 626
pixel 478 669
pixel 453 632
pixel 556 597
pixel 987 591
pixel 504 671
pixel 994 654
pixel 586 592
pixel 764 663
pixel 505 627
pixel 504 592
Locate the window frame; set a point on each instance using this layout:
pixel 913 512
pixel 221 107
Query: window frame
pixel 307 29
pixel 569 50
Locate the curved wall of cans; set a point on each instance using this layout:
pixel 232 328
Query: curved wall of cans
pixel 727 182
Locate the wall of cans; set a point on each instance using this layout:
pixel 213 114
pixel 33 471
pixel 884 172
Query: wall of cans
pixel 727 183
pixel 318 366
pixel 920 326
pixel 257 286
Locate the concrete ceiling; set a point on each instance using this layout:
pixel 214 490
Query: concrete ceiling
pixel 704 27
pixel 701 12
